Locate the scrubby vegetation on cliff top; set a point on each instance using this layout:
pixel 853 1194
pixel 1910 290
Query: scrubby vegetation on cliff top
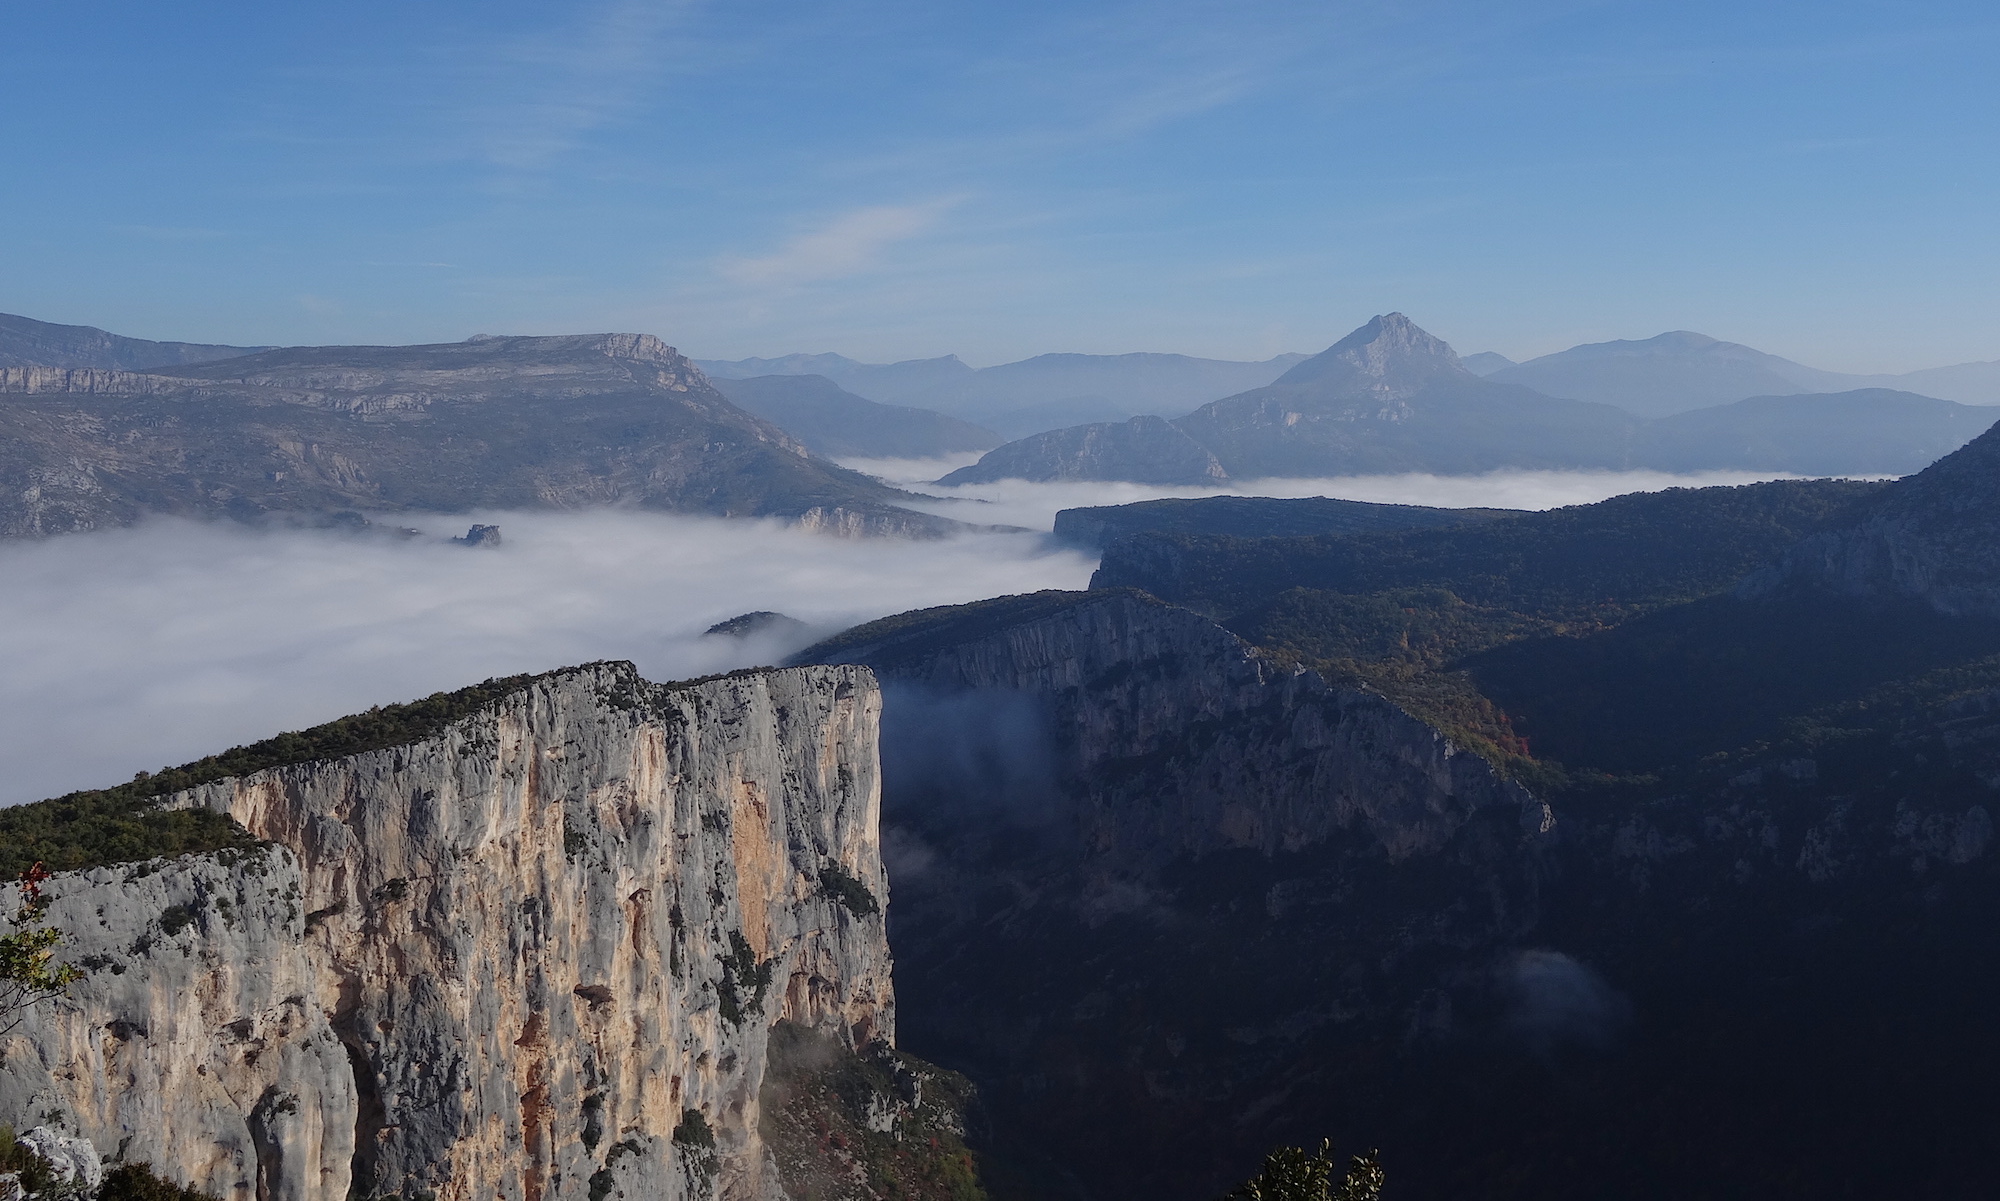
pixel 124 823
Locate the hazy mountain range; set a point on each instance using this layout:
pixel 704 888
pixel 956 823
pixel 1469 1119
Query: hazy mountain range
pixel 1653 377
pixel 1045 392
pixel 834 422
pixel 1678 371
pixel 1392 398
pixel 97 428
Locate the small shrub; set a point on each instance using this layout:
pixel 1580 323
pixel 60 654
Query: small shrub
pixel 741 973
pixel 175 919
pixel 593 1121
pixel 838 884
pixel 693 1130
pixel 136 1182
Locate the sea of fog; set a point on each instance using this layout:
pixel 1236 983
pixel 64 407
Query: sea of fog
pixel 1018 502
pixel 133 649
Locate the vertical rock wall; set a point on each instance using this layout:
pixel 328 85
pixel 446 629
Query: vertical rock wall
pixel 505 961
pixel 1191 743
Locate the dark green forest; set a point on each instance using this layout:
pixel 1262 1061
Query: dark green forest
pixel 1597 645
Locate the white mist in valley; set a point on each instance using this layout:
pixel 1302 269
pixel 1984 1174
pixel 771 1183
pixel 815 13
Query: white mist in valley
pixel 134 649
pixel 1033 505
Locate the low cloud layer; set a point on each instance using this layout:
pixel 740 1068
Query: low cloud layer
pixel 1034 505
pixel 134 649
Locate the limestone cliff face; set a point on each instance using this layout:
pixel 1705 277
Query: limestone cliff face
pixel 88 380
pixel 504 961
pixel 1191 743
pixel 196 1041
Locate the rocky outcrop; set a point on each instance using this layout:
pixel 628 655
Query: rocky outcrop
pixel 534 956
pixel 87 380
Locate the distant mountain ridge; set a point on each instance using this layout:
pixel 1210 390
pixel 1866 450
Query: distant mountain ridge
pixel 1045 392
pixel 1391 397
pixel 834 422
pixel 508 422
pixel 25 342
pixel 1682 370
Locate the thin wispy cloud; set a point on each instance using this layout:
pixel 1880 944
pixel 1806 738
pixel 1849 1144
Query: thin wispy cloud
pixel 531 99
pixel 849 244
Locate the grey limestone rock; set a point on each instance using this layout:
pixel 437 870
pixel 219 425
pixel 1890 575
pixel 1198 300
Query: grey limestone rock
pixel 500 962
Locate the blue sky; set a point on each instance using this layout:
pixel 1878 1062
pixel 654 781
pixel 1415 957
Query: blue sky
pixel 893 179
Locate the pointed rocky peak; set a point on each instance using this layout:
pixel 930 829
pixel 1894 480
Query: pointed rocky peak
pixel 1390 356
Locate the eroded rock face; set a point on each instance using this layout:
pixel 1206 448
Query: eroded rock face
pixel 504 961
pixel 1191 744
pixel 197 1035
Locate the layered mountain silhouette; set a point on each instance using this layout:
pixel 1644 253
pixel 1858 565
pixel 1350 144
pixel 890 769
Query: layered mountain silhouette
pixel 515 422
pixel 1046 392
pixel 1391 397
pixel 1682 370
pixel 1486 362
pixel 834 422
